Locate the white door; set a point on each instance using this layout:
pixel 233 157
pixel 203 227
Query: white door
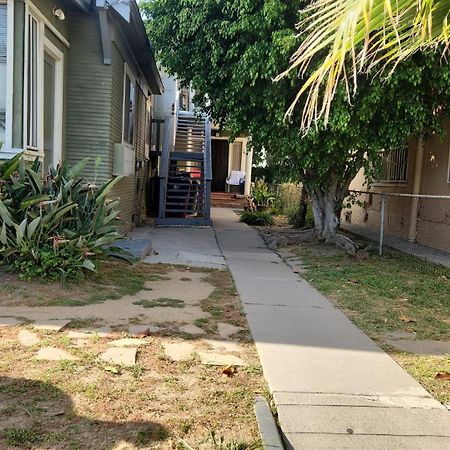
pixel 53 104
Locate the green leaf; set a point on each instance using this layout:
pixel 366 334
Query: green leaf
pixel 33 226
pixel 89 265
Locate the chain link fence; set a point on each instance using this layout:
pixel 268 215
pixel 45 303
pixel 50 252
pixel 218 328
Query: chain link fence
pixel 415 224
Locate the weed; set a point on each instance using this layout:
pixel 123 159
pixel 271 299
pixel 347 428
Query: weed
pixel 21 436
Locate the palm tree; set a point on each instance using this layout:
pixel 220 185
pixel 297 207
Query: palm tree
pixel 343 38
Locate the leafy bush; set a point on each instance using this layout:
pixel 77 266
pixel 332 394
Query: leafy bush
pixel 262 194
pixel 53 228
pixel 261 218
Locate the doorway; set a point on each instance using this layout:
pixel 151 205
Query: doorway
pixel 53 104
pixel 219 156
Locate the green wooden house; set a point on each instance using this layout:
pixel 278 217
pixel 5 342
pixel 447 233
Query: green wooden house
pixel 77 78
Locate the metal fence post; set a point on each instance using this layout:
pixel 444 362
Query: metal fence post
pixel 383 207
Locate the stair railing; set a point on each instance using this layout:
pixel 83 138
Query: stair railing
pixel 208 169
pixel 164 169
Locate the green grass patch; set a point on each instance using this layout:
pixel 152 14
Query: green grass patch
pixel 394 292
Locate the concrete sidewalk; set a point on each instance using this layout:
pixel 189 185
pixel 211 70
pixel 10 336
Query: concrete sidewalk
pixel 333 386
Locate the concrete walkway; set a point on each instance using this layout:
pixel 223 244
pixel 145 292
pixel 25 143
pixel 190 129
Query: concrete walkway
pixel 333 386
pixel 196 247
pixel 420 251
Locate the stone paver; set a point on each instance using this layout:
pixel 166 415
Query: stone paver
pixel 28 338
pixel 219 359
pixel 73 334
pixel 227 329
pixel 120 356
pixel 54 354
pixel 223 346
pixel 192 329
pixel 143 330
pixel 333 386
pixel 128 342
pixel 51 325
pixel 179 351
pixel 9 322
pixel 425 347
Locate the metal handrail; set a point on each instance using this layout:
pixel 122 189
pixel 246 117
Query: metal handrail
pixel 395 194
pixel 164 169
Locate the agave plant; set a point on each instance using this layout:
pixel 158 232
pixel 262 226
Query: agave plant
pixel 61 220
pixel 341 38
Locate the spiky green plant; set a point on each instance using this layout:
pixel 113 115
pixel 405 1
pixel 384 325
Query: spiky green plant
pixel 53 226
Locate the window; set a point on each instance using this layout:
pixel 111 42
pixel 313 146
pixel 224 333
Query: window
pixel 3 60
pixel 129 107
pixel 393 165
pixel 184 99
pixel 32 55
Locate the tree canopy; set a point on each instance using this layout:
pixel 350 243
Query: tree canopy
pixel 231 50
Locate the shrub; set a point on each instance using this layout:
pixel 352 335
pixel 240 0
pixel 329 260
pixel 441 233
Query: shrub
pixel 262 194
pixel 261 218
pixel 53 227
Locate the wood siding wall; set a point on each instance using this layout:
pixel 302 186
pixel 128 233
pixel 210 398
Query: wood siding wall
pixel 89 108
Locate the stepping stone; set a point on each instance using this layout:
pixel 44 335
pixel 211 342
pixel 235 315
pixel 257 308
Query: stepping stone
pixel 54 354
pixel 192 329
pixel 82 343
pixel 426 347
pixel 121 356
pixel 51 325
pixel 128 342
pixel 103 331
pixel 143 330
pixel 181 351
pixel 226 329
pixel 217 359
pixel 80 334
pixel 395 335
pixel 9 322
pixel 27 338
pixel 223 346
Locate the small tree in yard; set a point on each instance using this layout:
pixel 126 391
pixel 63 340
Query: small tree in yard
pixel 231 50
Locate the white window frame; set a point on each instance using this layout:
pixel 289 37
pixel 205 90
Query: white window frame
pixel 127 72
pixel 38 150
pixel 42 44
pixel 7 145
pixel 58 56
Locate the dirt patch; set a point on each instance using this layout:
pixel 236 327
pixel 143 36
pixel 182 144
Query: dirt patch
pixel 114 280
pixel 155 402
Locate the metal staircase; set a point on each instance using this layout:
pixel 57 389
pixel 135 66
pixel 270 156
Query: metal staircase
pixel 185 173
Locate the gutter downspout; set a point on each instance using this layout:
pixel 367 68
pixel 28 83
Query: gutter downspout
pixel 418 169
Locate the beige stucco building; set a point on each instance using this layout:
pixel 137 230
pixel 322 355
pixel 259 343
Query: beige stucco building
pixel 418 170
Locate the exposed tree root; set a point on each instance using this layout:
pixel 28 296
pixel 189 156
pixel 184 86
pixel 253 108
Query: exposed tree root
pixel 282 238
pixel 276 238
pixel 344 242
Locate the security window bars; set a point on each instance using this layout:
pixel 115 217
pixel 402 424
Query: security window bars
pixel 393 165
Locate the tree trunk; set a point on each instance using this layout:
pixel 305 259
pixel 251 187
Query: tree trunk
pixel 300 218
pixel 327 206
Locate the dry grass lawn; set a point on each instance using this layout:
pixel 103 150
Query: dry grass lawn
pixel 156 404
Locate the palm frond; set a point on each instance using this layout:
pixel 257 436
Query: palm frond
pixel 342 38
